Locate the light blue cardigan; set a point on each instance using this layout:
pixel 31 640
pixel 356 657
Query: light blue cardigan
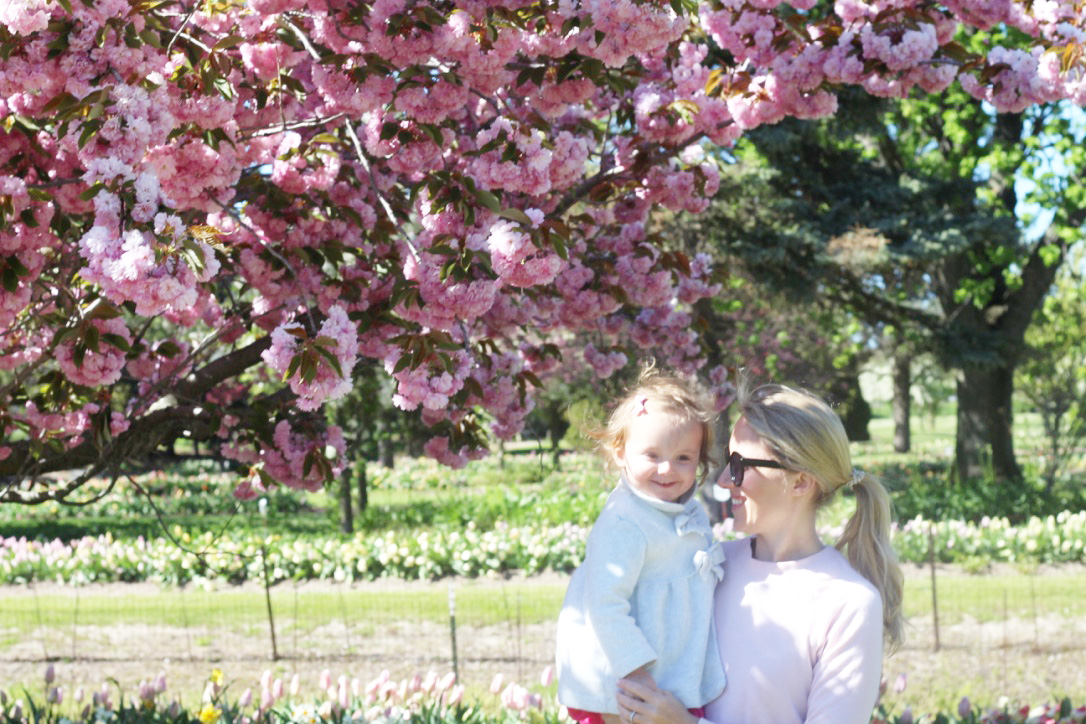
pixel 643 595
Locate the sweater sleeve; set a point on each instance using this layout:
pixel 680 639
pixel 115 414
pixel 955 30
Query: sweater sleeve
pixel 845 679
pixel 614 556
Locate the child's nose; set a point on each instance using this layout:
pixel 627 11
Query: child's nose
pixel 664 466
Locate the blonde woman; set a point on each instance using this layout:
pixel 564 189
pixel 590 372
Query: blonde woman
pixel 800 625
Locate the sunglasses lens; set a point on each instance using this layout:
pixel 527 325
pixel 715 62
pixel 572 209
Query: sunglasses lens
pixel 735 468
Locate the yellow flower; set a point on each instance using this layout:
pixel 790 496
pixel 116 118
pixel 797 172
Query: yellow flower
pixel 216 676
pixel 209 714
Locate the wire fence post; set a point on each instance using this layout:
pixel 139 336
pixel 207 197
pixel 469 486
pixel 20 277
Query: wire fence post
pixel 452 630
pixel 267 599
pixel 934 598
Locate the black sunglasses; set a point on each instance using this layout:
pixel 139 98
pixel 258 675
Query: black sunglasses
pixel 737 464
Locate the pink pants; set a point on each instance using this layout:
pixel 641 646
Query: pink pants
pixel 591 717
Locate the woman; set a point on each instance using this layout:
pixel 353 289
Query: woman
pixel 800 625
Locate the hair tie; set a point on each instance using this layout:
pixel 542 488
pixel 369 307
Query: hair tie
pixel 642 401
pixel 855 478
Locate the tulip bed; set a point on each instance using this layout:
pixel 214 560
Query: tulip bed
pixel 237 556
pixel 424 522
pixel 429 699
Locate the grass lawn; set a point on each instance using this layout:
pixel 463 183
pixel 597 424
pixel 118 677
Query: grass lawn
pixel 989 597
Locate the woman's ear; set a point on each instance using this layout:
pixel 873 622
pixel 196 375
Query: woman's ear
pixel 803 484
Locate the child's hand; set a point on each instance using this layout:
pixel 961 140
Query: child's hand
pixel 641 676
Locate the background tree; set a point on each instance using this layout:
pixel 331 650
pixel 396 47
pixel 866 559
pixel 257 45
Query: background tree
pixel 1052 374
pixel 212 212
pixel 907 212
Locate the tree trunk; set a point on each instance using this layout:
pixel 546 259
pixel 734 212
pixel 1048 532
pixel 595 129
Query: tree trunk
pixel 900 406
pixel 346 514
pixel 985 424
pixel 363 488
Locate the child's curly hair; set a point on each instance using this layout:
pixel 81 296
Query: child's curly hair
pixel 681 397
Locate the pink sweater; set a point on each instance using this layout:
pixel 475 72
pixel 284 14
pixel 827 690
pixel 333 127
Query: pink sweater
pixel 801 641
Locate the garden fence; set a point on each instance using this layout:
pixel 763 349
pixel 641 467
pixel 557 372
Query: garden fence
pixel 991 632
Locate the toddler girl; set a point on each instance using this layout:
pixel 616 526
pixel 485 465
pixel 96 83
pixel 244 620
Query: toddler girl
pixel 640 605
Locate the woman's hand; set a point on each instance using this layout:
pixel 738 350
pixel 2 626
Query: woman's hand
pixel 639 703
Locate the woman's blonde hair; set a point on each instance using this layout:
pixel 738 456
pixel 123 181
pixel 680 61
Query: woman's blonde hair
pixel 806 435
pixel 681 397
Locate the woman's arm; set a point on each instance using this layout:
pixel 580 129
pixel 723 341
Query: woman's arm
pixel 651 705
pixel 845 680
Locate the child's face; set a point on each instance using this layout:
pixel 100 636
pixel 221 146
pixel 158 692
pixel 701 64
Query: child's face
pixel 661 454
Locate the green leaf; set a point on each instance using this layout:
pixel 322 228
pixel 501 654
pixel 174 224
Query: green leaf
pixel 91 338
pixel 92 191
pixel 516 215
pixel 117 341
pixel 228 42
pixel 9 280
pixel 331 359
pixel 489 200
pixel 292 368
pixel 101 309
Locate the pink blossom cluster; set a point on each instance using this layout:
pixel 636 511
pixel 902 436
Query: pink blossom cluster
pixel 516 258
pixel 604 363
pixel 430 389
pixel 445 301
pixel 97 367
pixel 327 383
pixel 284 461
pixel 298 172
pixel 153 367
pixel 438 448
pixel 147 267
pixel 67 426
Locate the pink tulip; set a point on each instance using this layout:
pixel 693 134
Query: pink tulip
pixel 429 682
pixel 277 689
pixel 344 697
pixel 446 682
pixel 325 680
pixel 160 683
pixel 266 679
pixel 456 695
pixel 50 674
pixel 415 683
pixel 295 685
pixel 55 695
pixel 77 696
pixel 174 711
pixel 146 691
pixel 245 699
pixel 496 683
pixel 547 677
pixel 964 707
pixel 906 716
pixel 899 683
pixel 266 700
pixel 17 710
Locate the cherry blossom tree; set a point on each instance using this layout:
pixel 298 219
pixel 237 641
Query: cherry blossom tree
pixel 212 213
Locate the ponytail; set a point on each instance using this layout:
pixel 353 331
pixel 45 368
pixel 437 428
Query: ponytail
pixel 805 433
pixel 866 543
